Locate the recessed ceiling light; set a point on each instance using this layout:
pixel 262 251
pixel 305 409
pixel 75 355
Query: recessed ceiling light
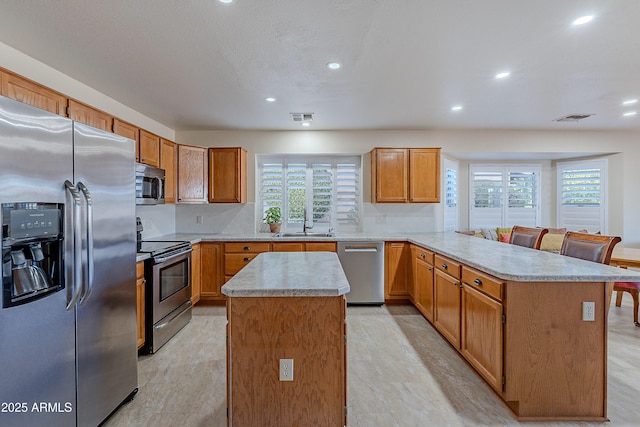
pixel 334 65
pixel 630 101
pixel 270 99
pixel 456 108
pixel 503 75
pixel 225 1
pixel 630 113
pixel 583 20
pixel 306 124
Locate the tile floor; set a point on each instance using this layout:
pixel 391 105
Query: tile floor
pixel 401 372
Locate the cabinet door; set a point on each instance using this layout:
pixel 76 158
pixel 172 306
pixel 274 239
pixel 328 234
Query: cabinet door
pixel 227 175
pixel 140 306
pixel 481 341
pixel 320 247
pixel 192 174
pixel 390 169
pixel 447 307
pixel 128 131
pixel 90 116
pixel 211 271
pixel 424 175
pixel 196 265
pixel 397 257
pixel 149 148
pixel 28 92
pixel 168 158
pixel 423 278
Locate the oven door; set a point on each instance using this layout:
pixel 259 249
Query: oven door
pixel 171 284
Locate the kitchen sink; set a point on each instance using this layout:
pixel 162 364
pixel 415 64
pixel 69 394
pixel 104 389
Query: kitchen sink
pixel 301 234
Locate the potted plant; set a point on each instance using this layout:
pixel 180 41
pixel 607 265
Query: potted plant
pixel 273 217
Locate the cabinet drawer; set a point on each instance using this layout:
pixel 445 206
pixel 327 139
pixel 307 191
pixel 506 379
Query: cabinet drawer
pixel 234 262
pixel 243 247
pixel 423 254
pixel 447 265
pixel 483 282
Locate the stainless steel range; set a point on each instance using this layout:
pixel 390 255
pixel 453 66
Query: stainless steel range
pixel 168 292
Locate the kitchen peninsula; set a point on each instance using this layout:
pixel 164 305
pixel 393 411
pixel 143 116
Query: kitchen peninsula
pixel 515 314
pixel 286 340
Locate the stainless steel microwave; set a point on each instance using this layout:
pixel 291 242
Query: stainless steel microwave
pixel 149 185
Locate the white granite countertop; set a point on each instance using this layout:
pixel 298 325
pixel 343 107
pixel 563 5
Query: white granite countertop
pixel 289 274
pixel 505 261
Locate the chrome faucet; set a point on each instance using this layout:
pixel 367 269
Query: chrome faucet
pixel 305 227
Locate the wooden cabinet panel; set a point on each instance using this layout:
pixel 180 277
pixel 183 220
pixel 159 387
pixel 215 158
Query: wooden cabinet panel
pixel 149 148
pixel 196 274
pixel 287 247
pixel 424 175
pixel 447 265
pixel 168 159
pixel 447 306
pixel 211 271
pixel 83 113
pixel 192 174
pixel 28 92
pixel 235 262
pixel 423 281
pixel 321 247
pixel 481 335
pixel 405 175
pixel 490 285
pixel 245 247
pixel 397 258
pixel 390 172
pixel 128 131
pixel 239 254
pixel 140 305
pixel 227 175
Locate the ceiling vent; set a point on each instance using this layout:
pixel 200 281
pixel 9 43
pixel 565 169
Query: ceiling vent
pixel 302 117
pixel 573 117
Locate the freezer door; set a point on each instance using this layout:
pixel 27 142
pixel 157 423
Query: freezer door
pixel 37 340
pixel 106 315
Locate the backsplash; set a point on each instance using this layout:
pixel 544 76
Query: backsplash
pixel 157 220
pixel 215 218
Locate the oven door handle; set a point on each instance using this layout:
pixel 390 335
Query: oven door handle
pixel 160 260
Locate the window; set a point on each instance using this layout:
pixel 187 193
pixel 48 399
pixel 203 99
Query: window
pixel 326 187
pixel 450 195
pixel 581 195
pixel 504 195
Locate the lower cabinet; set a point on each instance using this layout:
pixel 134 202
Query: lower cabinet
pixel 397 266
pixel 211 271
pixel 447 306
pixel 423 281
pixel 140 307
pixel 196 274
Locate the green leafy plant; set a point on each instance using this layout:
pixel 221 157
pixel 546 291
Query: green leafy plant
pixel 273 215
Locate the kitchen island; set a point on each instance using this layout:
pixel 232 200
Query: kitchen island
pixel 286 341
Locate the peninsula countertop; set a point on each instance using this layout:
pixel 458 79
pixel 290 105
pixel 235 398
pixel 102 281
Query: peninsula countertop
pixel 505 261
pixel 289 274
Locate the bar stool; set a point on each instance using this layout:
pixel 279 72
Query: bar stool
pixel 527 237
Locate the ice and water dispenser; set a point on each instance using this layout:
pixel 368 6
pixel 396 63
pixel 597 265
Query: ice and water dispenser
pixel 32 250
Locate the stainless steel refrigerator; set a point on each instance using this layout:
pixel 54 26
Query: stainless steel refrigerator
pixel 68 353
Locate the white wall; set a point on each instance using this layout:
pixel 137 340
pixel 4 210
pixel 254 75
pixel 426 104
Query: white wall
pixel 620 147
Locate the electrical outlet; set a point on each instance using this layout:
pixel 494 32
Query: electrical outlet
pixel 381 219
pixel 199 219
pixel 286 369
pixel 588 311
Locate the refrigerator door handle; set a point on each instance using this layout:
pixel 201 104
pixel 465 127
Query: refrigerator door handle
pixel 76 279
pixel 90 264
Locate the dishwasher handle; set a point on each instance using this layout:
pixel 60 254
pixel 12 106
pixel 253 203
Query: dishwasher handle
pixel 361 249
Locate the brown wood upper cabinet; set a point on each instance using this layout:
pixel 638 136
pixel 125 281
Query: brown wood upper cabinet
pixel 168 162
pixel 149 148
pixel 192 174
pixel 28 92
pixel 405 175
pixel 128 131
pixel 83 113
pixel 227 175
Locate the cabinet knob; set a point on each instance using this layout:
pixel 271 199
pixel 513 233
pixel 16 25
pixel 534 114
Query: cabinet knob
pixel 478 282
pixel 247 259
pixel 422 255
pixel 445 266
pixel 247 248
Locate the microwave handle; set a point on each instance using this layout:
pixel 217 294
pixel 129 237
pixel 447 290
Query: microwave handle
pixel 160 188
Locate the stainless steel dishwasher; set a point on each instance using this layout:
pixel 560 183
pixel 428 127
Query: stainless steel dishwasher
pixel 363 264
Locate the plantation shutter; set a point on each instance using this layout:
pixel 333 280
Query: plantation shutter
pixel 486 206
pixel 522 201
pixel 450 195
pixel 347 193
pixel 581 195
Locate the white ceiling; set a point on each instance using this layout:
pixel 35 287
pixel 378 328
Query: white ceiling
pixel 202 64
